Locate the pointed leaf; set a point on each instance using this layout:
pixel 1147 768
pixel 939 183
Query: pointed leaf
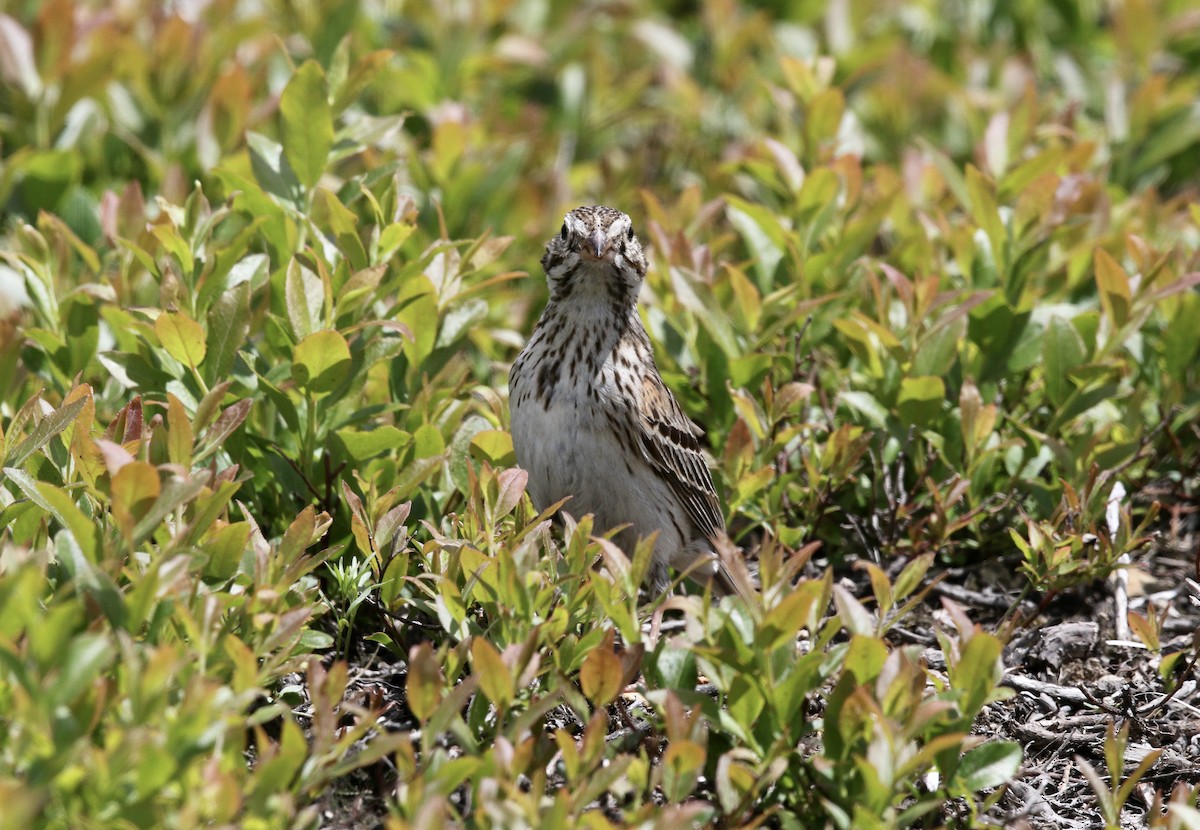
pixel 182 337
pixel 1062 350
pixel 307 122
pixel 179 433
pixel 1113 283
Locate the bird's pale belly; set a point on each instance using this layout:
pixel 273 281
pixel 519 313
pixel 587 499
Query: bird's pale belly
pixel 567 451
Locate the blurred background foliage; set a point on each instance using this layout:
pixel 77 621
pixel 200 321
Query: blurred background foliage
pixel 924 271
pixel 782 159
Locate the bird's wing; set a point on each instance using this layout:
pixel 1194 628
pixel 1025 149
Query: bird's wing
pixel 670 443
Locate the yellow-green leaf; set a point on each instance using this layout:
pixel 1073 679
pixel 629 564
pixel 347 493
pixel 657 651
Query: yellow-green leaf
pixel 321 361
pixel 225 548
pixel 1113 283
pixel 681 764
pixel 182 337
pixel 307 122
pixel 495 444
pixel 339 222
pixel 921 399
pixel 179 433
pixel 982 198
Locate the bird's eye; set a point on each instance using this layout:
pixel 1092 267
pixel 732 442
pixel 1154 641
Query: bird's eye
pixel 563 232
pixel 629 233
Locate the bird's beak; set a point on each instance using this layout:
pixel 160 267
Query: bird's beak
pixel 599 243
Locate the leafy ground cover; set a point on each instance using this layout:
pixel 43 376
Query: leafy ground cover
pixel 926 273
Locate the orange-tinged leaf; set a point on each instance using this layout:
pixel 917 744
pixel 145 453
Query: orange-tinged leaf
pixel 299 535
pixel 88 461
pixel 1113 283
pixel 512 484
pixel 494 677
pixel 601 676
pixel 423 685
pixel 134 488
pixel 83 420
pixel 681 763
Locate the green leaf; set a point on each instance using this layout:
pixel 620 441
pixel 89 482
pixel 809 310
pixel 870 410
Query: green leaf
pixel 937 351
pixel 307 122
pixel 744 700
pixel 251 200
pixel 1062 350
pixel 392 237
pixel 82 661
pixel 225 548
pixel 825 115
pixel 176 492
pixel 671 666
pixel 988 765
pixel 910 578
pixel 229 420
pixel 921 399
pixel 304 298
pixel 62 507
pixel 320 361
pixel 763 235
pixel 424 683
pixel 182 337
pixel 47 428
pixel 275 176
pixel 81 330
pixel 982 204
pixel 340 223
pixel 174 244
pixel 364 444
pixel 430 443
pixel 865 657
pixel 228 326
pixel 1180 340
pixel 976 673
pixel 46 175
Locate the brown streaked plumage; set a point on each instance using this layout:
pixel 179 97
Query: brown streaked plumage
pixel 591 416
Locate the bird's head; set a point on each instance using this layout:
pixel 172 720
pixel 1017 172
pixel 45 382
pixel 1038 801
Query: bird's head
pixel 596 248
